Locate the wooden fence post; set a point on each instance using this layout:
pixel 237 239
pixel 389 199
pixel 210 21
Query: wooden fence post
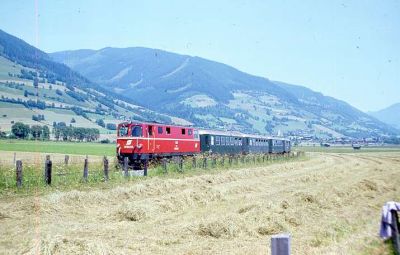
pixel 85 169
pixel 126 173
pixel 164 165
pixel 15 157
pixel 66 159
pixel 223 161
pixel 47 170
pixel 194 165
pixel 105 164
pixel 214 161
pixel 280 244
pixel 145 167
pixel 19 173
pixel 205 162
pixel 180 164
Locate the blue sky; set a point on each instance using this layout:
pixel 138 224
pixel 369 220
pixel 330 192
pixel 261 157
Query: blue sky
pixel 346 49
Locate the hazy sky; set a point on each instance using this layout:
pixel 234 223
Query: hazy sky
pixel 346 49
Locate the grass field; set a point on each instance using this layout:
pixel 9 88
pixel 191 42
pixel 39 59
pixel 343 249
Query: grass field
pixel 58 147
pixel 347 149
pixel 330 204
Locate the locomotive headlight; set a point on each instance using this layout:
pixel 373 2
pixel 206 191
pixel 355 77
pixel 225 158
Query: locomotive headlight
pixel 195 145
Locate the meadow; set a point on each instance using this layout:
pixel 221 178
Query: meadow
pixel 329 202
pixel 77 148
pixel 348 149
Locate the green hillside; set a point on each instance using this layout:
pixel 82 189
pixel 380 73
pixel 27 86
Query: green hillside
pixel 53 91
pixel 215 95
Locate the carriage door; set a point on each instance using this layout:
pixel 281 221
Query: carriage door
pixel 151 143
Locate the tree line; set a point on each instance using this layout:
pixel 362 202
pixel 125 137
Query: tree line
pixel 70 133
pixel 23 131
pixel 60 132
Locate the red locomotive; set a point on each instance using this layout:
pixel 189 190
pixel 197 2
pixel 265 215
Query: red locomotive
pixel 140 142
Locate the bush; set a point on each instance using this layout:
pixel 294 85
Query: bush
pixel 105 141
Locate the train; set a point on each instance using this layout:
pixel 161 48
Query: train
pixel 140 142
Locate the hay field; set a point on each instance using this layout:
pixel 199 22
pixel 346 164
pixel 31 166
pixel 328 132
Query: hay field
pixel 330 203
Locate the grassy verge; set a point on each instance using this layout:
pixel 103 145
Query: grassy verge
pixel 82 148
pixel 68 177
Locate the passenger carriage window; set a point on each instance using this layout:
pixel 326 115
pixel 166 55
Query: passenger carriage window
pixel 137 131
pixel 160 130
pixel 217 140
pixel 183 131
pixel 222 140
pixel 212 140
pixel 190 132
pixel 168 130
pixel 232 141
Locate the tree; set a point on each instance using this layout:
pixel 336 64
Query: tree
pixel 36 82
pixel 100 122
pixel 20 130
pixel 36 131
pixel 46 132
pixel 111 126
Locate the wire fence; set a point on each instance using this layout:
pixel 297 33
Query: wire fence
pixel 87 171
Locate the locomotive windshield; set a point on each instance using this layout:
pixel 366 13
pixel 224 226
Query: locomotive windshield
pixel 137 131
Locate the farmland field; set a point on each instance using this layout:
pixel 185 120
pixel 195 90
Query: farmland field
pixel 348 149
pixel 58 147
pixel 329 202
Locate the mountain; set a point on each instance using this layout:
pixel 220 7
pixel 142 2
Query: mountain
pixel 215 95
pixel 33 84
pixel 389 115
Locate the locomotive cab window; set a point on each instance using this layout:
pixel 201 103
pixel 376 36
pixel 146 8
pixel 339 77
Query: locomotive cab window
pixel 168 130
pixel 160 130
pixel 123 131
pixel 190 132
pixel 183 131
pixel 137 131
pixel 150 130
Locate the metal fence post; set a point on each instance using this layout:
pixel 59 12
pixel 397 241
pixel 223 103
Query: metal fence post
pixel 126 173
